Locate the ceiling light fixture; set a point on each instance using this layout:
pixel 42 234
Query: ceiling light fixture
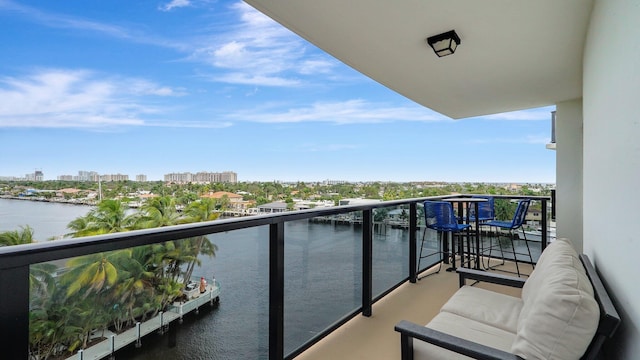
pixel 444 44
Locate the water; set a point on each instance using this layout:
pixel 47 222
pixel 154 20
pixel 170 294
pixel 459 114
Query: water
pixel 322 283
pixel 47 219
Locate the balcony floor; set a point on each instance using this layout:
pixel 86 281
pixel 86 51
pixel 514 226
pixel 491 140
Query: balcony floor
pixel 374 338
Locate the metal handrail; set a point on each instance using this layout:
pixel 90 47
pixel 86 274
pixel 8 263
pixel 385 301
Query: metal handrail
pixel 20 255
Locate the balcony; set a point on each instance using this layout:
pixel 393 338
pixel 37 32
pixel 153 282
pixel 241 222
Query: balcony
pixel 293 304
pixel 374 338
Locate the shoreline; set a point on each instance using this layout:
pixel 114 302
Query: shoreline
pixel 56 201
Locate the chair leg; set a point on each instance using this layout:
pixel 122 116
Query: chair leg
pixel 526 242
pixel 500 246
pixel 491 246
pixel 515 255
pixel 490 249
pixel 424 234
pixel 453 251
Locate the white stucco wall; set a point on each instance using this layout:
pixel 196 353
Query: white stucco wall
pixel 569 171
pixel 611 163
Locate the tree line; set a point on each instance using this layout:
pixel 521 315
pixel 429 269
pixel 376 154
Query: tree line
pixel 264 192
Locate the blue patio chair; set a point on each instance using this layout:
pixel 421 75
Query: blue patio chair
pixel 515 224
pixel 439 216
pixel 486 210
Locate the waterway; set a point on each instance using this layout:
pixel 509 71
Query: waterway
pixel 46 219
pixel 322 282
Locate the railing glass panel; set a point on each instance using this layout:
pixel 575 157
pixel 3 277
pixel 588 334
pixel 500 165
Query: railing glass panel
pixel 86 306
pixel 323 274
pixel 390 247
pixel 428 242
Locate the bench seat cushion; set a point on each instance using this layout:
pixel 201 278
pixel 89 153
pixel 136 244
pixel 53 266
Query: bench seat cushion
pixel 485 306
pixel 560 314
pixel 464 328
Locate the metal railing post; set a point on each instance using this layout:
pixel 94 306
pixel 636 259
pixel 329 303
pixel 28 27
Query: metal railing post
pixel 14 312
pixel 413 229
pixel 367 262
pixel 553 204
pixel 276 291
pixel 543 236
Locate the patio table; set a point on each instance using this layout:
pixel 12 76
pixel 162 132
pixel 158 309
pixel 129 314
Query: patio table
pixel 461 201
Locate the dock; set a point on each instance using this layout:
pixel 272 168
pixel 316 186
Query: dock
pixel 160 323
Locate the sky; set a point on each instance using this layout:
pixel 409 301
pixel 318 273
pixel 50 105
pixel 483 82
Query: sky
pixel 156 87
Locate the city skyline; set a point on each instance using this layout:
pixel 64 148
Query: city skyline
pixel 184 85
pixel 84 175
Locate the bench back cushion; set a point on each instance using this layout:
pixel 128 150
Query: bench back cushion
pixel 560 315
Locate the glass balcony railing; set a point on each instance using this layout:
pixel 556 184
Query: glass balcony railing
pixel 287 279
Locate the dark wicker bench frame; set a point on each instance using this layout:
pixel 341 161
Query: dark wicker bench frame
pixel 607 326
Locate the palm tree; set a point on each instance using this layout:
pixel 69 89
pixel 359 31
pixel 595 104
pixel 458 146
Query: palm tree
pixel 50 328
pixel 93 272
pixel 17 237
pixel 164 261
pixel 79 227
pixel 41 281
pixel 158 212
pixel 505 209
pixel 109 217
pixel 203 210
pixel 135 286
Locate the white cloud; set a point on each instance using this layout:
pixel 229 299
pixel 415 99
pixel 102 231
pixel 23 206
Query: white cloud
pixel 256 80
pixel 76 98
pixel 63 21
pixel 344 112
pixel 190 124
pixel 245 47
pixel 58 20
pixel 259 51
pixel 175 4
pixel 328 147
pixel 316 66
pixel 145 87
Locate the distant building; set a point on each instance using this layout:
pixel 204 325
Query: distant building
pixel 236 202
pixel 274 207
pixel 86 176
pixel 65 177
pixel 202 177
pixel 335 182
pixel 229 177
pixel 141 178
pixel 114 177
pixel 36 176
pixel 178 178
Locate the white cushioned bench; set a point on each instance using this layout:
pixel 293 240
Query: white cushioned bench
pixel 563 313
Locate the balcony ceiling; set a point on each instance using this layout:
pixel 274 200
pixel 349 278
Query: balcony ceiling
pixel 514 54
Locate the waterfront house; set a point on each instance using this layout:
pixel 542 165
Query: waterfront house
pixel 236 201
pixel 273 207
